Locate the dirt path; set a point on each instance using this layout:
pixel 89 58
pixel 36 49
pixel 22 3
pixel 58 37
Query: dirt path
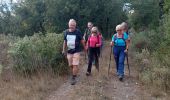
pixel 101 87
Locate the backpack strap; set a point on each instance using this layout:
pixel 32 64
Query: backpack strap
pixel 88 40
pixel 98 39
pixel 115 38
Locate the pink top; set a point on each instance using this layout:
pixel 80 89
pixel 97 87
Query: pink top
pixel 93 40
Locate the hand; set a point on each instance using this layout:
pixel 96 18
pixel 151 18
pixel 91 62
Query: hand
pixel 63 52
pixel 86 48
pixel 97 45
pixel 126 51
pixel 111 44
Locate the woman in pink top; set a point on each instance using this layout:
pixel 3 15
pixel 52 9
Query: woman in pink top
pixel 94 42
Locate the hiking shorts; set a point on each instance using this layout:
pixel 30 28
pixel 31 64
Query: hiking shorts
pixel 73 59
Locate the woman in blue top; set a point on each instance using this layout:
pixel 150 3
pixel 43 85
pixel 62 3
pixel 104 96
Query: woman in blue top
pixel 120 47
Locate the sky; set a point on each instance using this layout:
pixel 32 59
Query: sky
pixel 7 1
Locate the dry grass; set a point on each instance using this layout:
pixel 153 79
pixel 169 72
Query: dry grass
pixel 33 88
pixel 18 87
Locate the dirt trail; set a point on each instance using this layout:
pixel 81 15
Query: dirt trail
pixel 101 87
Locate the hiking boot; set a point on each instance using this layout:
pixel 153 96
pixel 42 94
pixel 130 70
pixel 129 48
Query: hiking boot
pixel 121 78
pixel 73 81
pixel 88 74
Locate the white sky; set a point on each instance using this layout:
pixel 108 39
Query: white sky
pixel 7 1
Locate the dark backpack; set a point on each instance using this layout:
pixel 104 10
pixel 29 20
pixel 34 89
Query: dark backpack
pixel 87 34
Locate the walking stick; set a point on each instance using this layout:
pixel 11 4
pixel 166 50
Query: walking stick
pixel 110 60
pixel 128 63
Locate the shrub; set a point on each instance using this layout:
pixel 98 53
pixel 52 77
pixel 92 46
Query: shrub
pixel 37 52
pixel 153 71
pixel 140 41
pixel 148 39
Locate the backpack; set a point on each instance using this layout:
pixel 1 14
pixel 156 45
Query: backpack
pixel 115 38
pixel 87 34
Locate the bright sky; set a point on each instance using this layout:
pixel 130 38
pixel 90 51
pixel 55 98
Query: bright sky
pixel 8 1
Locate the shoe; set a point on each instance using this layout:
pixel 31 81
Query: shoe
pixel 87 74
pixel 73 81
pixel 121 78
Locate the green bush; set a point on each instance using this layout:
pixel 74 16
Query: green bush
pixel 148 39
pixel 140 41
pixel 37 52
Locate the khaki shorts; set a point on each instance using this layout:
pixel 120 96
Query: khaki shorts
pixel 73 59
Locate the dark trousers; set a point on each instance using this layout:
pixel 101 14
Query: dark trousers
pixel 93 55
pixel 98 51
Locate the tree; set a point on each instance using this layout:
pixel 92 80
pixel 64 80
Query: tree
pixel 32 16
pixel 146 13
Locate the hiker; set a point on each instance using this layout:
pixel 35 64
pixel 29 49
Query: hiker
pixel 86 36
pixel 125 29
pixel 88 31
pixel 72 40
pixel 120 48
pixel 93 43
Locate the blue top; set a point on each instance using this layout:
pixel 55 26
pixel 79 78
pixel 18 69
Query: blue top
pixel 73 40
pixel 120 41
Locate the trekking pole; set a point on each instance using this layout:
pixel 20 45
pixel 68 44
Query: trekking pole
pixel 110 60
pixel 85 56
pixel 128 62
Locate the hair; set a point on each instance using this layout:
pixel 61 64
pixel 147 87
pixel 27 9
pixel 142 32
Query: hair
pixel 72 21
pixel 124 25
pixel 90 22
pixel 94 29
pixel 118 27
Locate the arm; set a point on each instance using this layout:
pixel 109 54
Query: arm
pixel 64 46
pixel 85 33
pixel 83 43
pixel 100 42
pixel 127 44
pixel 112 42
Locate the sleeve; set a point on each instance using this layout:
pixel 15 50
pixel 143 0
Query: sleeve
pixel 87 44
pixel 80 35
pixel 113 38
pixel 100 40
pixel 126 36
pixel 65 35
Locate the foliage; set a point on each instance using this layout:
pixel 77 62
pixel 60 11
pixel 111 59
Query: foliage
pixel 148 39
pixel 152 70
pixel 154 61
pixel 166 6
pixel 38 52
pixel 146 14
pixel 33 16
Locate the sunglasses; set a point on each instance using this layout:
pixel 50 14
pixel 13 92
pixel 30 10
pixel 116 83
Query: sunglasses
pixel 118 30
pixel 94 32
